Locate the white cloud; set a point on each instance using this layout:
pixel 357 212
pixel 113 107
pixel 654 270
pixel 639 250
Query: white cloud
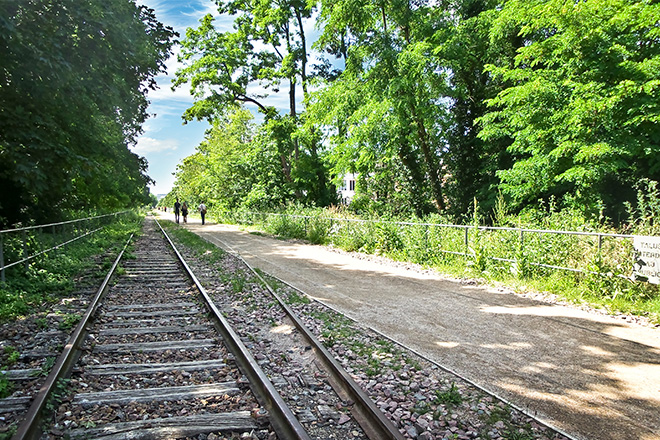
pixel 150 145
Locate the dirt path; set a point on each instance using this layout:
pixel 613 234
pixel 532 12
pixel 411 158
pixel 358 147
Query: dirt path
pixel 591 376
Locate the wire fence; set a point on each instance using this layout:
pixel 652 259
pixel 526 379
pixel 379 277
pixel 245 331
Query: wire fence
pixel 521 249
pixel 21 245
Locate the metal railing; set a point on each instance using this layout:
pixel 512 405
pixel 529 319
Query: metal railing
pixel 521 247
pixel 20 242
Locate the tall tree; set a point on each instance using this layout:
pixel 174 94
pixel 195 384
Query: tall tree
pixel 582 106
pixel 463 47
pixel 267 48
pixel 73 80
pixel 235 166
pixel 390 85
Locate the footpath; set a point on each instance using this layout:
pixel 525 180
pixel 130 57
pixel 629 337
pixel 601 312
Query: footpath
pixel 588 375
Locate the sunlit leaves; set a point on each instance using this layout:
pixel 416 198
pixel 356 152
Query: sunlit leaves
pixel 73 78
pixel 582 100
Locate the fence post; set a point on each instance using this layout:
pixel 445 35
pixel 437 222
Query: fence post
pixel 25 249
pixel 467 245
pixel 600 245
pixel 2 260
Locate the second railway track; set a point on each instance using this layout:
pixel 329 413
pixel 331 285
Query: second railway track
pixel 157 361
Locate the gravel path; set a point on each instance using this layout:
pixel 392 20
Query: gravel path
pixel 587 374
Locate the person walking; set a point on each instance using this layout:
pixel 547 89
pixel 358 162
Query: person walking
pixel 202 211
pixel 184 211
pixel 177 207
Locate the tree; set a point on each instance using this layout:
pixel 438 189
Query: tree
pixel 269 46
pixel 581 104
pixel 384 102
pixel 463 47
pixel 235 166
pixel 73 79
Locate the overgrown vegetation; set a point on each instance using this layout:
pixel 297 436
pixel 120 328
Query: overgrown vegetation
pixel 427 105
pixel 208 252
pixel 62 148
pixel 52 276
pixel 607 263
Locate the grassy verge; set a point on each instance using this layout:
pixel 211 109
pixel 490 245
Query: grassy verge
pixel 607 264
pixel 53 276
pixel 208 252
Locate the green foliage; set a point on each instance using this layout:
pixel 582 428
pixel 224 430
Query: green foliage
pixel 60 389
pixel 69 320
pixel 433 107
pixel 51 276
pixel 268 45
pixel 295 298
pixel 581 103
pixel 48 365
pixel 434 244
pixel 642 216
pixel 62 147
pixel 11 355
pixel 448 397
pixel 6 387
pixel 238 284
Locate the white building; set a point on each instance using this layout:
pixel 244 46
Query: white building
pixel 346 189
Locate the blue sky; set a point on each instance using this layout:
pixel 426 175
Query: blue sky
pixel 166 140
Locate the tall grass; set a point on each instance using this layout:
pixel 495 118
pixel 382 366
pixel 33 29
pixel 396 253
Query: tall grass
pixel 51 276
pixel 472 251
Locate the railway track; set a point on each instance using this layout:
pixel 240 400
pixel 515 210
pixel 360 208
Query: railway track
pixel 154 357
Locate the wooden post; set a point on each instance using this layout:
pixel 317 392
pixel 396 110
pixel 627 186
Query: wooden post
pixel 467 245
pixel 2 260
pixel 25 249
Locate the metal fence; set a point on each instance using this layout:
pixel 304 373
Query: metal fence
pixel 520 248
pixel 20 245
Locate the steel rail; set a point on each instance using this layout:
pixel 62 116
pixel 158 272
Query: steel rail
pixel 284 422
pixel 368 415
pixel 30 428
pixel 528 413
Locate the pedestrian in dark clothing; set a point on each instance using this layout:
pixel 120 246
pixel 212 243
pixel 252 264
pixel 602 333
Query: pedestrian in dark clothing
pixel 177 207
pixel 184 211
pixel 202 211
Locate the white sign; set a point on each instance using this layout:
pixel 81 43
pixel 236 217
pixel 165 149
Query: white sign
pixel 647 258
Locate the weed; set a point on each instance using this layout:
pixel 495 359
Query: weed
pixel 414 364
pixel 295 298
pixel 60 389
pixel 498 414
pixel 42 323
pixel 373 367
pixel 12 355
pixel 238 284
pixel 329 338
pixel 449 397
pixel 47 366
pixel 518 435
pixel 6 387
pixel 69 320
pixel 9 433
pixel 422 407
